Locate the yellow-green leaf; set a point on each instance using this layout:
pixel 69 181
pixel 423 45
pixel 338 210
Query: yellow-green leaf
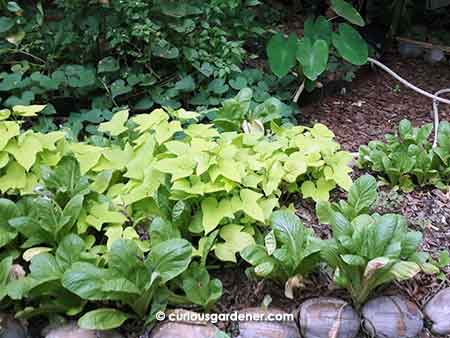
pixel 8 130
pixel 215 211
pixel 25 149
pixel 4 114
pixel 28 111
pixel 250 204
pixel 14 178
pixel 100 214
pixel 236 240
pixel 147 122
pixel 116 126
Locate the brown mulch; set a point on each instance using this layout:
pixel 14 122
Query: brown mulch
pixel 376 102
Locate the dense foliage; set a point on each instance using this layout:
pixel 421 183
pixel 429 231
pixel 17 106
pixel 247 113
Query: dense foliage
pixel 320 47
pixel 369 250
pixel 114 200
pixel 76 208
pixel 289 252
pixel 408 158
pixel 89 59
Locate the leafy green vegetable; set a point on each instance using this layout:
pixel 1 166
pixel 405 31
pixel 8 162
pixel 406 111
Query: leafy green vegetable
pixel 408 158
pixel 295 252
pixel 361 196
pixel 5 270
pixel 102 319
pixel 367 251
pixel 130 277
pixel 8 211
pixel 199 288
pixel 46 272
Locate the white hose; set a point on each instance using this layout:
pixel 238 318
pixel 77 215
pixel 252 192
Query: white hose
pixel 406 83
pixel 436 115
pixel 436 98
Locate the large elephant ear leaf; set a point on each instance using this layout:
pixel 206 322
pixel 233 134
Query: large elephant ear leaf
pixel 281 53
pixel 350 45
pixel 313 57
pixel 347 11
pixel 319 29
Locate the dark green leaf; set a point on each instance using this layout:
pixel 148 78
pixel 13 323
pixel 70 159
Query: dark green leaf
pixel 347 11
pixel 350 45
pixel 170 258
pixel 179 9
pixel 186 84
pixel 198 286
pixel 119 87
pixel 281 53
pixel 320 29
pixel 6 24
pixel 102 319
pixel 313 56
pixel 108 65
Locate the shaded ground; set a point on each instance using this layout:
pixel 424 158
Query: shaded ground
pixel 376 102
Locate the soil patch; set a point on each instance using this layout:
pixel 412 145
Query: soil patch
pixel 376 102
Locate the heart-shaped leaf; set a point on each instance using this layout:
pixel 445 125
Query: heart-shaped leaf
pixel 347 11
pixel 350 45
pixel 313 57
pixel 281 53
pixel 319 29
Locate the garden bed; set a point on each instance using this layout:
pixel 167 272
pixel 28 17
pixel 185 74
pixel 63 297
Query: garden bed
pixel 373 106
pixel 175 177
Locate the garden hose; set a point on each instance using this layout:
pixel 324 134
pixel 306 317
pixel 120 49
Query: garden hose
pixel 436 114
pixel 435 97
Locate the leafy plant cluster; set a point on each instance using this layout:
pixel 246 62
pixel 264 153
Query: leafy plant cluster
pixel 369 250
pixel 322 48
pixel 23 153
pixel 132 220
pixel 366 250
pixel 124 229
pixel 89 59
pixel 408 158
